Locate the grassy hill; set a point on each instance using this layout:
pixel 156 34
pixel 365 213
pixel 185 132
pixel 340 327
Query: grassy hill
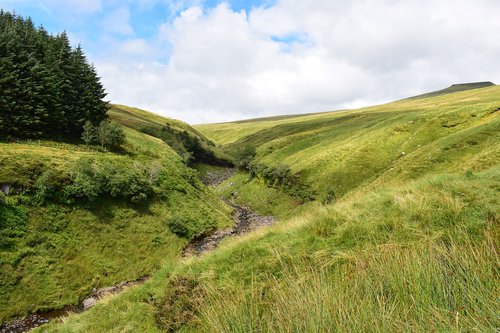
pixel 78 217
pixel 336 152
pixel 455 88
pixel 403 234
pixel 188 142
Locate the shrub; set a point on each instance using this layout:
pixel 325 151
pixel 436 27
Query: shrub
pixel 110 135
pixel 92 180
pixel 86 183
pixel 46 186
pixel 329 197
pixel 244 157
pixel 183 226
pixel 130 183
pixel 179 226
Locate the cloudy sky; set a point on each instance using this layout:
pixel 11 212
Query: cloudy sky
pixel 209 60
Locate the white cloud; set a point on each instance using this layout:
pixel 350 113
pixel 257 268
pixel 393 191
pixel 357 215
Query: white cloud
pixel 118 22
pixel 225 65
pixel 136 46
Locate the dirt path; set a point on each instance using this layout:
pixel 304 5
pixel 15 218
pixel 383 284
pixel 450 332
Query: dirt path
pixel 245 219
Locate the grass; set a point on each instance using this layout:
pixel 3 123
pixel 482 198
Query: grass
pixel 339 151
pixel 147 122
pixel 418 256
pixel 409 244
pixel 455 88
pixel 53 254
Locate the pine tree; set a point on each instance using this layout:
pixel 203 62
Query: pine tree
pixel 47 88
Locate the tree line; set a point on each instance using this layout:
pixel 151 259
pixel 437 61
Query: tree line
pixel 47 88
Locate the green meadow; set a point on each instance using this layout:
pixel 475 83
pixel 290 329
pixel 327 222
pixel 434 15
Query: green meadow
pixel 63 234
pixel 399 231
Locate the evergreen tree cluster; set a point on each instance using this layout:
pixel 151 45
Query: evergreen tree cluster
pixel 47 88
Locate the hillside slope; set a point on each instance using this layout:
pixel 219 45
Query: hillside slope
pixel 77 217
pixel 188 142
pixel 339 151
pixel 408 240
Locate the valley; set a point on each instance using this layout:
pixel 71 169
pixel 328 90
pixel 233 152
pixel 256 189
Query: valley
pixel 400 221
pixel 320 180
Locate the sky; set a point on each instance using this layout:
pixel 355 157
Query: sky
pixel 206 61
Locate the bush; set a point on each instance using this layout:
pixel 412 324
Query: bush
pixel 107 134
pixel 45 186
pixel 179 226
pixel 110 135
pixel 86 182
pixel 130 183
pixel 92 180
pixel 329 197
pixel 281 177
pixel 244 157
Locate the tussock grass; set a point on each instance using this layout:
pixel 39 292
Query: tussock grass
pixel 410 243
pixel 419 257
pixel 427 287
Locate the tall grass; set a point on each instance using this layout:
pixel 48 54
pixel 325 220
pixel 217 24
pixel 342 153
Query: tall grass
pixel 428 287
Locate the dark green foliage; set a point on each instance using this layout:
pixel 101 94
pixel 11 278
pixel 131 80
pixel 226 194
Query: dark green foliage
pixel 329 197
pixel 179 226
pixel 92 180
pixel 86 181
pixel 281 177
pixel 188 227
pixel 45 186
pixel 188 146
pixel 47 89
pixel 244 157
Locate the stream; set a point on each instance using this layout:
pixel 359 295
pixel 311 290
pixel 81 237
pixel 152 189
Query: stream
pixel 245 219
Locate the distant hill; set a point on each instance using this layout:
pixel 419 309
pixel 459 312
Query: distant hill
pixel 338 151
pixel 455 88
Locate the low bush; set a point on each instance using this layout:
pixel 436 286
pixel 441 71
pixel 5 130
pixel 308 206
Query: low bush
pixel 107 134
pixel 92 180
pixel 281 177
pixel 244 157
pixel 191 148
pixel 188 227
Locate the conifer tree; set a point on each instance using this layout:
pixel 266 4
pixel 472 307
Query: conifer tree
pixel 47 88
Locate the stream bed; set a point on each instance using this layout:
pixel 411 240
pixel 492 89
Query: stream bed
pixel 245 220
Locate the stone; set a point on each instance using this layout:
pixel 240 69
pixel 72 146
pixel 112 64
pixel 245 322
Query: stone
pixel 88 303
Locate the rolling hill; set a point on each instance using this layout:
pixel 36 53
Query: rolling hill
pixel 78 217
pixel 400 232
